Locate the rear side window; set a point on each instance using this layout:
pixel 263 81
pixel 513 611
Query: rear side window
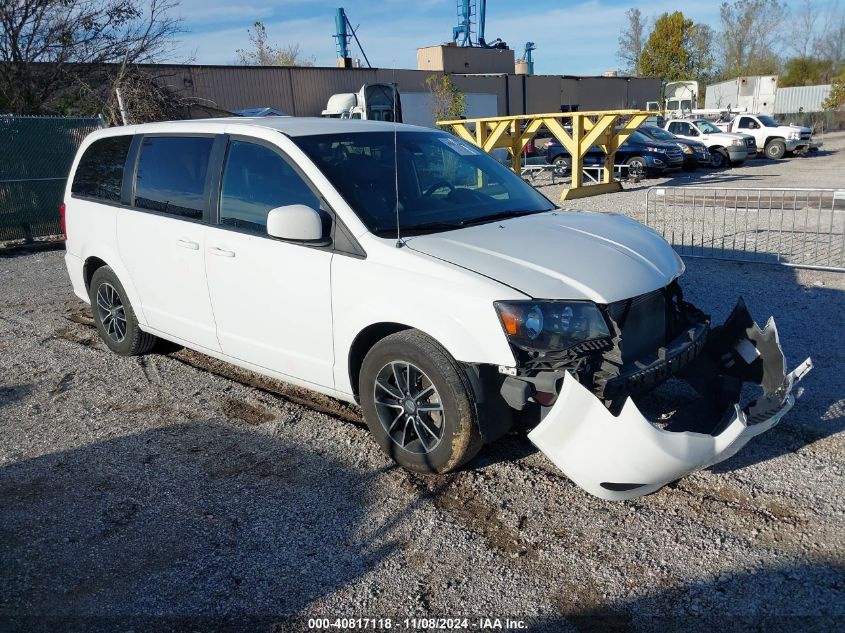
pixel 171 175
pixel 100 170
pixel 255 180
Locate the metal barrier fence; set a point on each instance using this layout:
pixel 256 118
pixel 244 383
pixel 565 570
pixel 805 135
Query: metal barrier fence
pixel 794 227
pixel 36 153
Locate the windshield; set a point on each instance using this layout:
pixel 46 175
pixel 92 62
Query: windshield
pixel 767 121
pixel 639 137
pixel 444 182
pixel 659 133
pixel 707 128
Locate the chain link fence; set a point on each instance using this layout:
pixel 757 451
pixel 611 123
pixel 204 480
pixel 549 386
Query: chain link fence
pixel 794 227
pixel 36 153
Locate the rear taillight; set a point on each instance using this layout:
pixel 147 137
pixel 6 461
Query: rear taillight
pixel 62 222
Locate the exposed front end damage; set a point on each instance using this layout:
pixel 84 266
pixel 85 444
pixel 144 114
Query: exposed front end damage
pixel 595 433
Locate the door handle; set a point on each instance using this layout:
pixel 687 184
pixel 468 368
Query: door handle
pixel 220 252
pixel 191 246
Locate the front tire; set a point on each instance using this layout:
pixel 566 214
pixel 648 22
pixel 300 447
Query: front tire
pixel 562 163
pixel 637 167
pixel 775 149
pixel 418 404
pixel 718 158
pixel 114 317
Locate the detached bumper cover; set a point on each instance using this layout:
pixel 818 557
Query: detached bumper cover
pixel 628 456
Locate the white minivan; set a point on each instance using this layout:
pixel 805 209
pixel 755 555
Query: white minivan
pixel 404 269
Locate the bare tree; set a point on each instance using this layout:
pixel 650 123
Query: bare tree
pixel 752 36
pixel 830 42
pixel 263 53
pixel 805 30
pixel 632 41
pixel 47 46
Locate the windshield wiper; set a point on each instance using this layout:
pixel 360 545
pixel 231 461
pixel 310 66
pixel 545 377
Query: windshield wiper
pixel 433 226
pixel 458 224
pixel 501 215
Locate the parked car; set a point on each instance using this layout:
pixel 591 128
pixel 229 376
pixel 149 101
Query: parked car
pixel 724 147
pixel 774 139
pixel 406 270
pixel 695 153
pixel 639 152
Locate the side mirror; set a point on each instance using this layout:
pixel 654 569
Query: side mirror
pixel 295 222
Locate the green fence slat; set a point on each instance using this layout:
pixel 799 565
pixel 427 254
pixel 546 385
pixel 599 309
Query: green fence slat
pixel 35 157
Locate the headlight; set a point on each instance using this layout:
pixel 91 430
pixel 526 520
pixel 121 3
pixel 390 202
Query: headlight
pixel 686 149
pixel 551 325
pixel 737 141
pixel 794 136
pixel 651 148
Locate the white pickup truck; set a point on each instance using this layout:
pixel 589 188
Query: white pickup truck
pixel 773 138
pixel 725 147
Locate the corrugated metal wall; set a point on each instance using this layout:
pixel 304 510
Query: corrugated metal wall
pixel 305 91
pixel 801 99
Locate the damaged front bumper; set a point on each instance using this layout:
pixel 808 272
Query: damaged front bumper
pixel 623 456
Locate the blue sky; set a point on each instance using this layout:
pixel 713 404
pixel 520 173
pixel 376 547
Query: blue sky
pixel 577 37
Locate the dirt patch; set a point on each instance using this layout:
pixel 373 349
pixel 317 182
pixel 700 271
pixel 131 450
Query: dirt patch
pixel 454 495
pixel 585 606
pixel 74 335
pixel 303 397
pixel 63 385
pixel 310 399
pixel 246 412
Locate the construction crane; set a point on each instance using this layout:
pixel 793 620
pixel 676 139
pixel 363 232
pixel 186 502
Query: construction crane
pixel 462 34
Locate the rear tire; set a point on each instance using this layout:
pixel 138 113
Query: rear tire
pixel 114 317
pixel 428 424
pixel 775 149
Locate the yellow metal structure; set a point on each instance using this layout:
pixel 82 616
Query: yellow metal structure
pixel 588 129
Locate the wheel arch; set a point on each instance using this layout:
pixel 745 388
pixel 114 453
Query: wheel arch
pixel 107 256
pixel 363 342
pixel 89 267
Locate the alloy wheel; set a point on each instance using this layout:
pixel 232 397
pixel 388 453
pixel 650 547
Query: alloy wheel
pixel 409 407
pixel 111 311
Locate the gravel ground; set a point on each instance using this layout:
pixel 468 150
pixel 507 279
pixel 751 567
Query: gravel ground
pixel 154 494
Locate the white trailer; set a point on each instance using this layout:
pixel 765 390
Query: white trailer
pixel 749 94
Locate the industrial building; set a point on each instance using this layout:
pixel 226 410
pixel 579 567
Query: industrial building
pixel 493 81
pixel 303 91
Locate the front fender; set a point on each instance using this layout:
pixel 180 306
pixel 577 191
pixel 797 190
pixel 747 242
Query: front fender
pixel 453 306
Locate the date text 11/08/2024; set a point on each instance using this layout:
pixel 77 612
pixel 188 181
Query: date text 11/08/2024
pixel 414 624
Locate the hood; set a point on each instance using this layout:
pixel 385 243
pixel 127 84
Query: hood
pixel 690 143
pixel 561 255
pixel 798 128
pixel 667 145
